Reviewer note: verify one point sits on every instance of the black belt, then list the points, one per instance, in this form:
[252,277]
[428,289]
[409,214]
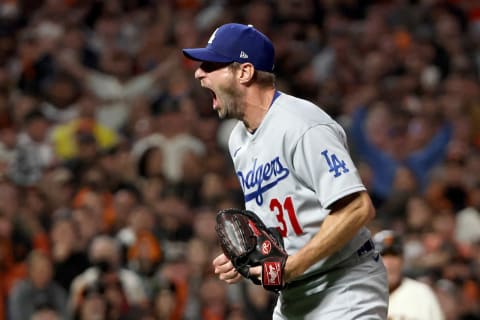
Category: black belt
[365,248]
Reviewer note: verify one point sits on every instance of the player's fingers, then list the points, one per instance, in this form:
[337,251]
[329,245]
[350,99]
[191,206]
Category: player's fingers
[228,275]
[256,271]
[235,279]
[220,260]
[224,268]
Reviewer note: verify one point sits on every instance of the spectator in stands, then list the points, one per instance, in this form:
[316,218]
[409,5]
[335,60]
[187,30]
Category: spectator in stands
[468,220]
[116,83]
[164,301]
[105,260]
[68,255]
[385,164]
[92,304]
[409,298]
[58,188]
[176,143]
[143,249]
[71,137]
[37,290]
[34,150]
[45,312]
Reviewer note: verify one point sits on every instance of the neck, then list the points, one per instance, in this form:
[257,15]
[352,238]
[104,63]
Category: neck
[393,287]
[257,104]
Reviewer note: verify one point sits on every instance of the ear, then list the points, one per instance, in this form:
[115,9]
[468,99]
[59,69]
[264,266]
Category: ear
[246,72]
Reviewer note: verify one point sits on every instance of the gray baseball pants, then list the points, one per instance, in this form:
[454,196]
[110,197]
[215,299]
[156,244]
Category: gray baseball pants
[355,290]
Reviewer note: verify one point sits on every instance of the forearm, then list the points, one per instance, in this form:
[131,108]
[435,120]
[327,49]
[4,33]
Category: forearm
[338,228]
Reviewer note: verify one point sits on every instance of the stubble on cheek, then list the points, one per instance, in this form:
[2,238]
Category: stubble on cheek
[230,103]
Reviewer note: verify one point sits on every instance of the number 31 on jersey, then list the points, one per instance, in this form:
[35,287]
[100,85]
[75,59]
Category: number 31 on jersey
[285,210]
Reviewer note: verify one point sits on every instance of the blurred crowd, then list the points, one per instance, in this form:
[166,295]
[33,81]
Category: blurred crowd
[113,163]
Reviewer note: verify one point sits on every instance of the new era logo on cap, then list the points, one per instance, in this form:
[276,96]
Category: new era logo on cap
[234,42]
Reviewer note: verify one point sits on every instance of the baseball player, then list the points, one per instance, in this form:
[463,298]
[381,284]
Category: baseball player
[296,173]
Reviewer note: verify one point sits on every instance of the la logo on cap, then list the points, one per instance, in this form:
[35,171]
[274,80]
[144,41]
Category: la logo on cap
[212,36]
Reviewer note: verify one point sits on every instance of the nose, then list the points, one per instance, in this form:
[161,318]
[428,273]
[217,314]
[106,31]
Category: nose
[199,73]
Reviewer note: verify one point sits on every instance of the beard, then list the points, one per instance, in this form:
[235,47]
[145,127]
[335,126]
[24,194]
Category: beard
[229,98]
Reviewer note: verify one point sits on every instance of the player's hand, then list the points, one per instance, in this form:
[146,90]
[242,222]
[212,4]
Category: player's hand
[225,270]
[256,272]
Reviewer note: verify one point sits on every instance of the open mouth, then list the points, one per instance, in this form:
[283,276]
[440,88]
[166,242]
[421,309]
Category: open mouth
[214,98]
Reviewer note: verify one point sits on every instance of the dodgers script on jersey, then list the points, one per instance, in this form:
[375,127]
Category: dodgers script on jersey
[292,168]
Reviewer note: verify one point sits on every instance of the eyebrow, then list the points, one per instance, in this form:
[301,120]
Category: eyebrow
[209,66]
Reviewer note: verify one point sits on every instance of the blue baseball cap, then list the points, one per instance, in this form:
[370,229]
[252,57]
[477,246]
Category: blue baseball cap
[234,42]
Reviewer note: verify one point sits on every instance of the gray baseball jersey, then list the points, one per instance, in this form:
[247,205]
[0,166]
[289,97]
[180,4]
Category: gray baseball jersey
[292,168]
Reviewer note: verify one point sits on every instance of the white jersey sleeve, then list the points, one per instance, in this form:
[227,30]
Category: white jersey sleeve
[321,157]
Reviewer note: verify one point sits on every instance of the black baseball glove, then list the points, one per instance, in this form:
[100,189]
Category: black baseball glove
[247,242]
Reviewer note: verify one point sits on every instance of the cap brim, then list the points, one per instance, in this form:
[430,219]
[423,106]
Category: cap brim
[204,54]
